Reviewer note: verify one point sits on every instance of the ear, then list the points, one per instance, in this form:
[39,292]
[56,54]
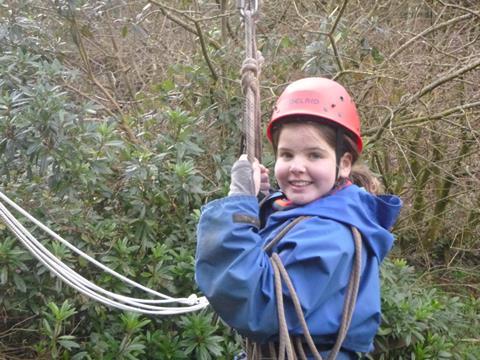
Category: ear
[345,165]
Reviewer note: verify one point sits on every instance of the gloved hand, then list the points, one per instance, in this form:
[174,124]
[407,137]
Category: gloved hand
[248,179]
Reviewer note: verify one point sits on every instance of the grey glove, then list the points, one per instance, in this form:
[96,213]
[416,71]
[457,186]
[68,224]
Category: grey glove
[241,182]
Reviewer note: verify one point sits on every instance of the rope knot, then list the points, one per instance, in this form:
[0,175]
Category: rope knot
[249,72]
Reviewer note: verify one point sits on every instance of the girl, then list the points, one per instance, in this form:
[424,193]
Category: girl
[315,133]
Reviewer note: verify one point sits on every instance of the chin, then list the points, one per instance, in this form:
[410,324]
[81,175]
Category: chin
[301,200]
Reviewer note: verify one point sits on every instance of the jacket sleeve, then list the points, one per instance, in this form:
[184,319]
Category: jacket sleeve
[236,276]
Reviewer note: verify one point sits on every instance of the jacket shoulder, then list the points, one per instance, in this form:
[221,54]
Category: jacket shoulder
[316,235]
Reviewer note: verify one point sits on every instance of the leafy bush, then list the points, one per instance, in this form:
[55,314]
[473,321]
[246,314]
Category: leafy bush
[133,206]
[114,134]
[421,322]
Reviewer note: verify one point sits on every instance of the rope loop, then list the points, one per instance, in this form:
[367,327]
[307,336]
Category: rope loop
[151,306]
[249,72]
[248,7]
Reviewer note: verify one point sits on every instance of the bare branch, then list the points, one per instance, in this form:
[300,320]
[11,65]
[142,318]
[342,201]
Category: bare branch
[444,79]
[205,52]
[425,32]
[475,13]
[176,20]
[332,39]
[423,119]
[443,114]
[425,90]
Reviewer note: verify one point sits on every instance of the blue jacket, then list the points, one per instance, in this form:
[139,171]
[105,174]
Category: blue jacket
[236,276]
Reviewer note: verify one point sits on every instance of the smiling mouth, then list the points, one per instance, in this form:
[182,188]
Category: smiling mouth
[299,183]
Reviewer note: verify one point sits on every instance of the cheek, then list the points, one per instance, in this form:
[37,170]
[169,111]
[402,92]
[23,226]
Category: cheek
[279,171]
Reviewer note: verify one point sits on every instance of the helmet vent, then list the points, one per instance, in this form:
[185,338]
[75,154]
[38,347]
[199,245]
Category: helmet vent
[333,105]
[341,98]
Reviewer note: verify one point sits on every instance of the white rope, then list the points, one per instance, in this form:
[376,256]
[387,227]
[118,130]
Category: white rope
[86,287]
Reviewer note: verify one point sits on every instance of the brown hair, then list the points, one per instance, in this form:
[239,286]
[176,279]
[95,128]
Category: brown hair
[360,174]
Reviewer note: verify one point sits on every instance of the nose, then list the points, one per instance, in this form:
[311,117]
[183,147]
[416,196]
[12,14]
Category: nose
[297,167]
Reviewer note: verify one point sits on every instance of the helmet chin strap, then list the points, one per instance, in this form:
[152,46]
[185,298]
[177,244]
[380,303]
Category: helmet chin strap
[339,136]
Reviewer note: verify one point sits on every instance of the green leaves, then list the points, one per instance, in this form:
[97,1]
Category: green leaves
[13,266]
[64,156]
[199,338]
[60,314]
[54,325]
[132,322]
[420,320]
[67,342]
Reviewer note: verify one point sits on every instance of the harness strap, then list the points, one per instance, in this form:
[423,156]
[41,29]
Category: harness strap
[286,345]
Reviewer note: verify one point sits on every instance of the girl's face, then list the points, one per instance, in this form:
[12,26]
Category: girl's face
[305,165]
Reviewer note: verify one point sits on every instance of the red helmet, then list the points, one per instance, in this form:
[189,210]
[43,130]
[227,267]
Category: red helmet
[322,98]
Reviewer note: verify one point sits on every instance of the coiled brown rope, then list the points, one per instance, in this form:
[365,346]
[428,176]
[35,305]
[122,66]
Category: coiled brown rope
[285,345]
[284,338]
[351,294]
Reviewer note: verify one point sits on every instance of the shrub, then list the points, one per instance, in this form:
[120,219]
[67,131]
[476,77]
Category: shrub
[422,322]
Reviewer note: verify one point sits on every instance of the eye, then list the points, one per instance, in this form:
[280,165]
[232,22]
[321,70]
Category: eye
[285,155]
[315,155]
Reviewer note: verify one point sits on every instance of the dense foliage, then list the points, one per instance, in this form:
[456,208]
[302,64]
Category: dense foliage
[116,126]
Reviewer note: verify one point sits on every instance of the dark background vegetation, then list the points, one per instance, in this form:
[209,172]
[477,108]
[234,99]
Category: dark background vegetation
[119,119]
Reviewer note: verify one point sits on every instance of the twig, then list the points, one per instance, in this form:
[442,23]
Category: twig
[475,13]
[427,89]
[205,51]
[298,12]
[350,71]
[443,80]
[183,24]
[386,123]
[184,13]
[422,119]
[464,250]
[123,68]
[77,36]
[89,98]
[474,287]
[332,39]
[337,20]
[425,32]
[470,340]
[14,327]
[197,31]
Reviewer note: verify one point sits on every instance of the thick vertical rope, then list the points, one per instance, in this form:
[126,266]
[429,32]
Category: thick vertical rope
[351,295]
[281,273]
[250,84]
[284,338]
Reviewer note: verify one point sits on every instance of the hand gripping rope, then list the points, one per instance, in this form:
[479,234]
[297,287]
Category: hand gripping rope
[86,287]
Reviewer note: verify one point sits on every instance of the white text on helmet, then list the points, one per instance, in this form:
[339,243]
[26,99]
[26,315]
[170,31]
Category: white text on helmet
[304,101]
